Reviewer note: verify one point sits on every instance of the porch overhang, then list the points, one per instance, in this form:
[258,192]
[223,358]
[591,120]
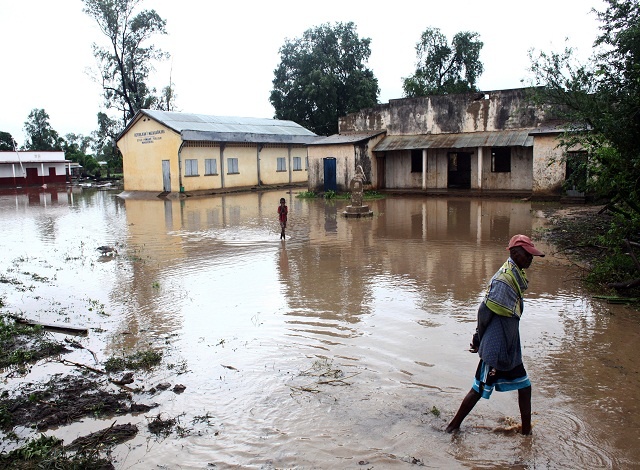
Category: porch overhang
[505,138]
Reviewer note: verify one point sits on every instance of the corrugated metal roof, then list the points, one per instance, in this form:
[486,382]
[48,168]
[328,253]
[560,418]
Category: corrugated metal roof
[206,136]
[507,138]
[346,138]
[231,128]
[45,156]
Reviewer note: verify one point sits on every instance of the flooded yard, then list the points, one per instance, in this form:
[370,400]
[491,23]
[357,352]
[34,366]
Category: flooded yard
[344,346]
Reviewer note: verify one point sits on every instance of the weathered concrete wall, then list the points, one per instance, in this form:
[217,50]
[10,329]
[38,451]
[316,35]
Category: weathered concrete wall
[549,166]
[471,112]
[519,178]
[369,119]
[348,156]
[344,155]
[398,170]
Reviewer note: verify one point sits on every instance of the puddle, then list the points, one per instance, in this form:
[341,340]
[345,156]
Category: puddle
[388,303]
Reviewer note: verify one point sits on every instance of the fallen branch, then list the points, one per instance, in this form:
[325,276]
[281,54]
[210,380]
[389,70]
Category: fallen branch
[77,364]
[77,345]
[625,284]
[305,389]
[111,436]
[341,379]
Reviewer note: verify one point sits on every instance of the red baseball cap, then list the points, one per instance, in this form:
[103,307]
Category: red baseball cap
[526,243]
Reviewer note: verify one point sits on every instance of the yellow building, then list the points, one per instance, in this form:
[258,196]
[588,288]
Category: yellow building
[171,152]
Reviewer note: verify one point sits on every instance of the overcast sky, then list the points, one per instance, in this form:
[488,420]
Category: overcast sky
[223,53]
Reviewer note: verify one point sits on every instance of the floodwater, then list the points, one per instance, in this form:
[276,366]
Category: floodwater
[385,304]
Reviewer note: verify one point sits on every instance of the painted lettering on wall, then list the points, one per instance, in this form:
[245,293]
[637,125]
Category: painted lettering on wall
[148,137]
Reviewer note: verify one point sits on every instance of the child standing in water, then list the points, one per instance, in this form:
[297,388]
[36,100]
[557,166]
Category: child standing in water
[282,216]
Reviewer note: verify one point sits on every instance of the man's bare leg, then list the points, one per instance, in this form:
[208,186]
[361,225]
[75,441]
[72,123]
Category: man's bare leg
[465,408]
[524,402]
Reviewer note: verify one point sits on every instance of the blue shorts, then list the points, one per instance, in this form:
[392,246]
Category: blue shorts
[487,380]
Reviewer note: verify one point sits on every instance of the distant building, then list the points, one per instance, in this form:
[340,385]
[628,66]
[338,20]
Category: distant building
[75,170]
[172,152]
[19,169]
[473,142]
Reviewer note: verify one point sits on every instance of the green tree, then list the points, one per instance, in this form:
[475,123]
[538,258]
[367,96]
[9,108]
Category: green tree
[81,142]
[75,148]
[322,76]
[601,99]
[7,142]
[105,143]
[442,68]
[167,99]
[125,65]
[40,134]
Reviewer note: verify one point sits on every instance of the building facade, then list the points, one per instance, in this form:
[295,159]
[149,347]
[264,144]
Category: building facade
[333,160]
[487,141]
[21,169]
[171,152]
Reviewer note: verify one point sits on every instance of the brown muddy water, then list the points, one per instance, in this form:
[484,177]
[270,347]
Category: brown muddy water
[248,323]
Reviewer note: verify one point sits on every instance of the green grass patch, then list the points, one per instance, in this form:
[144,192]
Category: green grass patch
[48,452]
[23,344]
[144,360]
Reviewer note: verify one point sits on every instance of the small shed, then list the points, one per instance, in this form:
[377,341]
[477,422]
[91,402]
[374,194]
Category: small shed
[333,160]
[31,168]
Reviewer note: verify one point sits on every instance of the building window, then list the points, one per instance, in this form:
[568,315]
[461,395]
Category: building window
[191,167]
[306,163]
[210,166]
[297,164]
[282,164]
[232,166]
[416,161]
[501,159]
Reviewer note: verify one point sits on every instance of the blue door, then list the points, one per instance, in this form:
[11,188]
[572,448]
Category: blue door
[329,174]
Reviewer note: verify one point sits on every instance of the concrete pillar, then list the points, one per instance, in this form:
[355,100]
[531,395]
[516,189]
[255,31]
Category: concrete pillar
[424,168]
[480,158]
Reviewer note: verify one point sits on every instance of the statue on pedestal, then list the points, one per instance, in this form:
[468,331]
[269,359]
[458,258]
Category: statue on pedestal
[357,209]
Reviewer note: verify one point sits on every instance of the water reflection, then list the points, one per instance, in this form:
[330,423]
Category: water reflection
[390,300]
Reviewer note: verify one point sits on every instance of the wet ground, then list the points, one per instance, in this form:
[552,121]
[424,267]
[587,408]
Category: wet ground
[343,347]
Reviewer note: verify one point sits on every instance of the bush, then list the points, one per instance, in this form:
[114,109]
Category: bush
[306,194]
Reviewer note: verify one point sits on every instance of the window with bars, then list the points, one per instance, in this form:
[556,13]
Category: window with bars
[210,166]
[191,167]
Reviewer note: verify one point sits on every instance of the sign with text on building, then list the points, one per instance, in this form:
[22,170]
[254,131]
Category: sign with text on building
[148,137]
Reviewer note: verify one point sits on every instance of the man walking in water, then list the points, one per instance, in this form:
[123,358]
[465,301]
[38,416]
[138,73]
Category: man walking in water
[282,217]
[497,337]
